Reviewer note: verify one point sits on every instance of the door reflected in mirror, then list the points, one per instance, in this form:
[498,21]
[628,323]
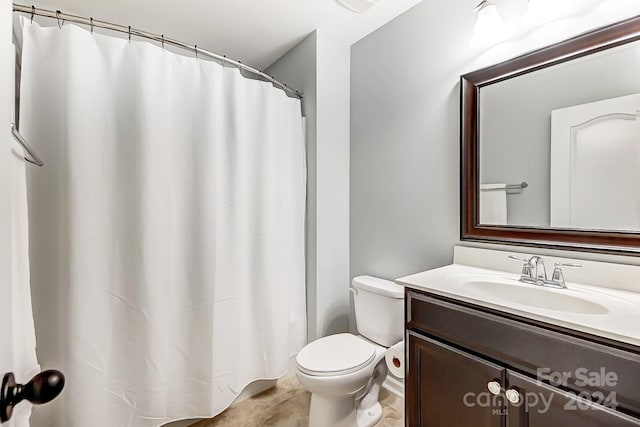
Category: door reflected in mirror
[571,132]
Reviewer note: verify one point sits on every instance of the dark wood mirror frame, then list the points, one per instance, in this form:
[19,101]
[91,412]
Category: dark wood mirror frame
[613,35]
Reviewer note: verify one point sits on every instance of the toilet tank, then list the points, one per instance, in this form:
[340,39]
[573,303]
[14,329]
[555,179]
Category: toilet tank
[379,306]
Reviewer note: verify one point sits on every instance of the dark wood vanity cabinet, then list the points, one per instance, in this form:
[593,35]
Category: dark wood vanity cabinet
[563,409]
[439,382]
[457,352]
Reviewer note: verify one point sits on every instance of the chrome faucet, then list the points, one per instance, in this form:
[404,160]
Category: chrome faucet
[534,272]
[539,270]
[557,279]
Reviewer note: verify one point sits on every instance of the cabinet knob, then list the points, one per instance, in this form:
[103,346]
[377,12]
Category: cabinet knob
[494,387]
[513,396]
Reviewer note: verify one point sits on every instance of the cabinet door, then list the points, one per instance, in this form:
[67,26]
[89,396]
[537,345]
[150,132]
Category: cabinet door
[541,405]
[524,347]
[446,387]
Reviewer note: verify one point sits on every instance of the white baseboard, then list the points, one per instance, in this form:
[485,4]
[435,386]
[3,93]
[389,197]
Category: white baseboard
[394,385]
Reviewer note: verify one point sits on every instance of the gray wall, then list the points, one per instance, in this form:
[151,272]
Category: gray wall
[332,227]
[320,67]
[404,140]
[515,124]
[297,68]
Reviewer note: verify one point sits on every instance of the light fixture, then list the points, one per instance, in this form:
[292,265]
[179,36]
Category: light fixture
[358,6]
[489,28]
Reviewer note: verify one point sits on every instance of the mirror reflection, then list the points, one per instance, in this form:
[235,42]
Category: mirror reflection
[560,147]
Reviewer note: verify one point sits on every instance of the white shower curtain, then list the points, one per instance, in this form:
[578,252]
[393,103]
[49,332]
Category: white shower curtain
[23,343]
[167,227]
[17,335]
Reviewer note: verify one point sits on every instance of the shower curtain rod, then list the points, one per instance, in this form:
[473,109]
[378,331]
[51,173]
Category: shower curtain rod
[66,17]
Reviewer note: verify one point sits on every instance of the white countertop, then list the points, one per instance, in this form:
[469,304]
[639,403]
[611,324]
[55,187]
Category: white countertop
[616,315]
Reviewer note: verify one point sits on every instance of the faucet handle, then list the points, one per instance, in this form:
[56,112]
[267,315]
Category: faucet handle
[567,264]
[526,274]
[517,258]
[558,277]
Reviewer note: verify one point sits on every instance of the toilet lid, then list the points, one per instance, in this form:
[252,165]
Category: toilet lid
[335,355]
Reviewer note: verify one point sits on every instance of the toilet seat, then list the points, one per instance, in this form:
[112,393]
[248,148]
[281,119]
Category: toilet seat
[338,354]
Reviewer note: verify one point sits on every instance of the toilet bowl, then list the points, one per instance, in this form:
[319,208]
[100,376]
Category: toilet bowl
[338,371]
[344,372]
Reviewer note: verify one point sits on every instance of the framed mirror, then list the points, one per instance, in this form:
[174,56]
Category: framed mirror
[550,145]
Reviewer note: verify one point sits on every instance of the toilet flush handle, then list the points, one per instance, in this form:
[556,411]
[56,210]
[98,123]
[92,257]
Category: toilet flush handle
[354,291]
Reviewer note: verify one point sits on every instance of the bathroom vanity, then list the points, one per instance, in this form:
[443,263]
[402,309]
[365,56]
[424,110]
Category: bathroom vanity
[484,349]
[495,343]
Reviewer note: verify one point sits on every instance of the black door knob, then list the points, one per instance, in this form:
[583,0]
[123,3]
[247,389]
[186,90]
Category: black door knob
[42,388]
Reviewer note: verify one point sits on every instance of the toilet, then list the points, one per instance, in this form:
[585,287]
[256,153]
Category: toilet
[344,372]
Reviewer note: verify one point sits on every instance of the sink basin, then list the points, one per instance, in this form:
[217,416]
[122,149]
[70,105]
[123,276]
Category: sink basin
[533,296]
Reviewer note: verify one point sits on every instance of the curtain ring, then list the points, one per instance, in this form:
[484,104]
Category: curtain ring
[91,24]
[129,33]
[162,36]
[195,49]
[58,19]
[224,58]
[33,12]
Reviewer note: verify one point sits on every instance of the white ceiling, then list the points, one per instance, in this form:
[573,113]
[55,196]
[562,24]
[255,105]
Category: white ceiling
[256,32]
